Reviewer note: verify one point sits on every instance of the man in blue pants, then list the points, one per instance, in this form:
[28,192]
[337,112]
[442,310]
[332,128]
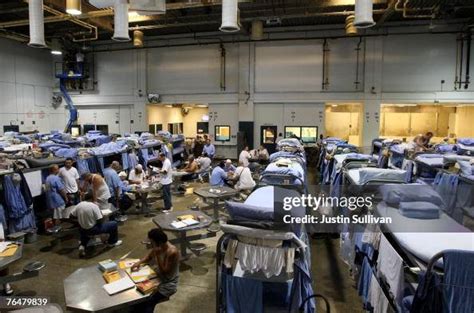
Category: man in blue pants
[166,181]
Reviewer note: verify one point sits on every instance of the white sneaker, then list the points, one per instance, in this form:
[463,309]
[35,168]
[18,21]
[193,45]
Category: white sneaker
[167,211]
[118,243]
[82,251]
[8,289]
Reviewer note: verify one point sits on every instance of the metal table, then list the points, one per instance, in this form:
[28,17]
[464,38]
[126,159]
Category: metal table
[215,194]
[177,179]
[84,292]
[164,221]
[6,261]
[142,193]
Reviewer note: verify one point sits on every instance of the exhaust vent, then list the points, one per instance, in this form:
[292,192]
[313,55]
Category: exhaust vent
[36,24]
[230,16]
[121,21]
[363,14]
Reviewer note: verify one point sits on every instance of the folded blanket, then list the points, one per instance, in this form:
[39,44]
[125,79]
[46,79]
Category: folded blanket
[393,194]
[419,210]
[467,168]
[466,141]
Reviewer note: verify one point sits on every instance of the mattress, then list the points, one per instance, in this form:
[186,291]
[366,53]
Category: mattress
[438,235]
[436,160]
[340,158]
[295,170]
[362,176]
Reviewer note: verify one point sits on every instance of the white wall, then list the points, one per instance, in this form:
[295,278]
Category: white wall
[26,82]
[266,80]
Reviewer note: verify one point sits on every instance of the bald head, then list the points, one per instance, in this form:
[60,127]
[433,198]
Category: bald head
[115,165]
[53,169]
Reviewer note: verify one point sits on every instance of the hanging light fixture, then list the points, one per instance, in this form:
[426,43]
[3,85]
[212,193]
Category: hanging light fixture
[73,7]
[230,16]
[121,21]
[35,8]
[56,47]
[138,39]
[363,14]
[257,30]
[351,30]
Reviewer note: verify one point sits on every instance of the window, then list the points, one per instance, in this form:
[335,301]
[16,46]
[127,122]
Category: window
[202,127]
[292,131]
[155,128]
[222,133]
[307,134]
[175,128]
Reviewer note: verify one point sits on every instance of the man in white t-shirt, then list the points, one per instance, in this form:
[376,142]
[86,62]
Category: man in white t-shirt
[70,178]
[91,223]
[166,181]
[244,178]
[245,156]
[137,175]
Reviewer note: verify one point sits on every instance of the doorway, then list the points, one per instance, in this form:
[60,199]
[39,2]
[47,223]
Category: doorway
[268,135]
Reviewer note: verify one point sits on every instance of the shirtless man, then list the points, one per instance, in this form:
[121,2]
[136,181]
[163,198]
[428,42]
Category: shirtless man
[99,188]
[165,258]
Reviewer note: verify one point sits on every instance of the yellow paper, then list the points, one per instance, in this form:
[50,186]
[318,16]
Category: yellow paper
[9,251]
[127,263]
[144,273]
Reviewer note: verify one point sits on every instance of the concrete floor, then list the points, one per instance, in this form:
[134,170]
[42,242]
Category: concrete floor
[196,292]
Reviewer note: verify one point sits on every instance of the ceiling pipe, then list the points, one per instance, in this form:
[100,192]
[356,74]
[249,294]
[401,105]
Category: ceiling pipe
[364,14]
[36,16]
[92,31]
[148,7]
[121,21]
[230,16]
[405,10]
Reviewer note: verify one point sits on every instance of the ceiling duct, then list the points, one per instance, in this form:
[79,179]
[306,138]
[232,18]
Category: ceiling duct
[148,7]
[257,30]
[102,4]
[36,24]
[137,39]
[230,16]
[56,47]
[351,30]
[73,7]
[363,14]
[121,21]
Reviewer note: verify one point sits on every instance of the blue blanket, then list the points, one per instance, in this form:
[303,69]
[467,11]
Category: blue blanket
[466,141]
[419,210]
[394,194]
[458,290]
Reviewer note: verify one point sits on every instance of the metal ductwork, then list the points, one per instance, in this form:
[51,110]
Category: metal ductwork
[36,24]
[351,30]
[102,4]
[230,16]
[257,30]
[363,14]
[121,21]
[137,39]
[148,7]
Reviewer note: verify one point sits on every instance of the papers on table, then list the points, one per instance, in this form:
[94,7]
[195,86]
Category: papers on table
[184,223]
[119,286]
[7,248]
[178,225]
[144,273]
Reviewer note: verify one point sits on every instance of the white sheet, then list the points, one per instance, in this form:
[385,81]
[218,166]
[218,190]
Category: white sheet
[438,235]
[35,182]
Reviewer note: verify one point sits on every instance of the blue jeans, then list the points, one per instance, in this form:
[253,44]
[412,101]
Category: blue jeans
[167,196]
[110,228]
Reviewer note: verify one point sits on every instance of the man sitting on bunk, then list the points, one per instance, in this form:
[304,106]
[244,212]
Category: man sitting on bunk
[191,169]
[137,175]
[56,195]
[218,175]
[91,223]
[422,142]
